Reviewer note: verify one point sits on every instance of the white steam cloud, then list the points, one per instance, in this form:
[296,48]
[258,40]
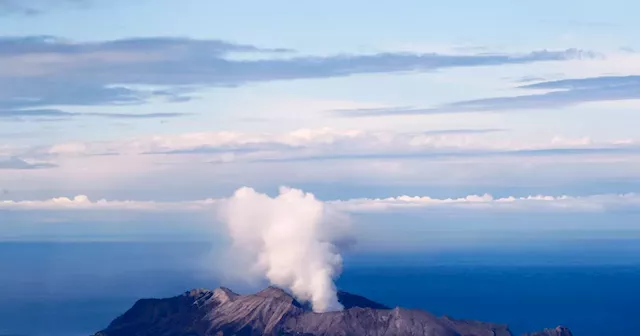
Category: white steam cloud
[293,240]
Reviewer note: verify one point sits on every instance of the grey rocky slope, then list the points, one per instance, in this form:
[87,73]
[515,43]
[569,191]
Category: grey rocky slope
[272,311]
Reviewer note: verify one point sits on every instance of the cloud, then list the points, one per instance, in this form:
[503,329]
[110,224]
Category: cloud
[362,145]
[566,92]
[54,114]
[392,111]
[38,92]
[134,115]
[45,71]
[82,202]
[47,49]
[46,113]
[331,144]
[35,7]
[486,201]
[464,131]
[357,205]
[192,165]
[562,93]
[453,154]
[16,163]
[325,139]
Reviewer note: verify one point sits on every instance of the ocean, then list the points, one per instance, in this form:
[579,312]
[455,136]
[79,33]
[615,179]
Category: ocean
[75,289]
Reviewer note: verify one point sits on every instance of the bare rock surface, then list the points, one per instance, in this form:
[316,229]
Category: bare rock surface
[272,311]
[558,331]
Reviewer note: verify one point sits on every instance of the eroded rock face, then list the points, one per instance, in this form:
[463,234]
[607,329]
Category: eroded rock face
[272,311]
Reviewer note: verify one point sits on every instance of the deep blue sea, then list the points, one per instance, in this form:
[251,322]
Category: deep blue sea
[78,288]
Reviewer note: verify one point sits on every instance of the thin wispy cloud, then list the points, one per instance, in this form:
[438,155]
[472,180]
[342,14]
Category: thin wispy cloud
[53,113]
[36,7]
[307,145]
[454,154]
[58,115]
[45,71]
[236,149]
[16,163]
[325,139]
[564,93]
[464,131]
[134,115]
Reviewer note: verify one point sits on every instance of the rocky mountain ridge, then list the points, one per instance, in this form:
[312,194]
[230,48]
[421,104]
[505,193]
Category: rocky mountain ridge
[272,311]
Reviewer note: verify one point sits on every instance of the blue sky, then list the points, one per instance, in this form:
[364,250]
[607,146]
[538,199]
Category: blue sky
[172,101]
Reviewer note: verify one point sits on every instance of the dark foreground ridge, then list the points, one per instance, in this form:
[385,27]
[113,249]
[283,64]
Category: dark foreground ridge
[272,312]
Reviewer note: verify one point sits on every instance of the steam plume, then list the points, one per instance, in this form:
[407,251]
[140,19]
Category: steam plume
[293,240]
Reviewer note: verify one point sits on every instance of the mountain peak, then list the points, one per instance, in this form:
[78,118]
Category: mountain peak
[224,294]
[274,292]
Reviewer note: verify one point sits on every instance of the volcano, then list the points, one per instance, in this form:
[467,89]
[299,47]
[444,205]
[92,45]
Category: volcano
[272,311]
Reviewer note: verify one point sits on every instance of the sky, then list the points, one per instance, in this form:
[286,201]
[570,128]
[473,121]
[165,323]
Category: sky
[395,107]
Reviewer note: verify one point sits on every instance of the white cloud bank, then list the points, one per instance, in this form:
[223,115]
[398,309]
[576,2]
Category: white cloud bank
[82,202]
[486,201]
[470,202]
[318,142]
